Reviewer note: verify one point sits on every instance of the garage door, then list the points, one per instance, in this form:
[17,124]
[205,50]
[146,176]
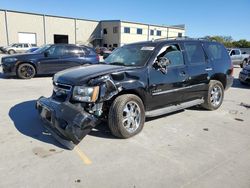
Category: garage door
[27,38]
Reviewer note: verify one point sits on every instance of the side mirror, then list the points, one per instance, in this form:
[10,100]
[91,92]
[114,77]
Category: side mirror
[46,54]
[161,64]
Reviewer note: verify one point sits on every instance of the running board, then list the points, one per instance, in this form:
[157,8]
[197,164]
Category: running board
[173,108]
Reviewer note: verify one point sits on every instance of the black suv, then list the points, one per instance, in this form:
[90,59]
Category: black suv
[48,59]
[138,80]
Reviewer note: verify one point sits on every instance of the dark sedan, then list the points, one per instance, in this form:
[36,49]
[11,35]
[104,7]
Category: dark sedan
[48,59]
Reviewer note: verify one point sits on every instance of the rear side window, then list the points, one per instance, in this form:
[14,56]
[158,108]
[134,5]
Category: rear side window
[195,53]
[73,50]
[216,51]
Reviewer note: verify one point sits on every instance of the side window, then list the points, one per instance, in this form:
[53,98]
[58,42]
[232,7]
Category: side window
[139,31]
[232,52]
[72,50]
[237,52]
[105,31]
[19,46]
[56,51]
[195,53]
[26,45]
[216,51]
[174,54]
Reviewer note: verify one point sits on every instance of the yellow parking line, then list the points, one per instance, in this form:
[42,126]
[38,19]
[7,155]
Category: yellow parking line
[82,155]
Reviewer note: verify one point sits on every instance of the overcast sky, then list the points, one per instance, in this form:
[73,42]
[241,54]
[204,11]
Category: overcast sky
[213,17]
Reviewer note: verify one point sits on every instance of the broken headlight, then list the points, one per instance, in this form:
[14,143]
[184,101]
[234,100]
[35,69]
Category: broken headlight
[85,94]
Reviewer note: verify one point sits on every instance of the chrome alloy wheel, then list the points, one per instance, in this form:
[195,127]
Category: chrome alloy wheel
[27,71]
[216,96]
[131,116]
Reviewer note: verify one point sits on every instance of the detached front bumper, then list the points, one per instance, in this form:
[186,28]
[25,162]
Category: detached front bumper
[67,123]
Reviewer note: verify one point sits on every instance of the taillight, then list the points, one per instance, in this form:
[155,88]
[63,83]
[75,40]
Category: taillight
[231,69]
[97,58]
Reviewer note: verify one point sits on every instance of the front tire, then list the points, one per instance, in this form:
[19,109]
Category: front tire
[26,71]
[126,116]
[243,64]
[215,95]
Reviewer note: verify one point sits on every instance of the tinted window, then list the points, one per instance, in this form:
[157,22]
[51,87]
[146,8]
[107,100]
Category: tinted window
[115,29]
[195,53]
[179,34]
[151,32]
[216,51]
[174,54]
[56,51]
[139,31]
[158,33]
[105,31]
[126,29]
[72,50]
[26,45]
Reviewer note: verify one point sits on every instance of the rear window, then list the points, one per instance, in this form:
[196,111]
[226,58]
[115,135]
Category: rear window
[216,52]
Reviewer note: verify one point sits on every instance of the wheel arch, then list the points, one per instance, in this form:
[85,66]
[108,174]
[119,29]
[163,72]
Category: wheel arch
[221,78]
[23,62]
[136,92]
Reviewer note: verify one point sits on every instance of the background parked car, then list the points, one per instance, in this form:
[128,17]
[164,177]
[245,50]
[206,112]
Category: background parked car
[32,50]
[17,48]
[48,59]
[244,75]
[238,58]
[102,50]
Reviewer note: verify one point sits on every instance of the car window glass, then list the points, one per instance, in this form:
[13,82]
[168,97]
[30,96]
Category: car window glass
[216,51]
[56,50]
[18,46]
[195,53]
[73,50]
[26,45]
[174,54]
[237,52]
[232,52]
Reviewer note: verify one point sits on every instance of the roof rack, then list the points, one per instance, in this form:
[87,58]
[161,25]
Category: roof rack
[180,38]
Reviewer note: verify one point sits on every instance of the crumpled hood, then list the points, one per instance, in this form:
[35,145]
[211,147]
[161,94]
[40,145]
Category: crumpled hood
[81,75]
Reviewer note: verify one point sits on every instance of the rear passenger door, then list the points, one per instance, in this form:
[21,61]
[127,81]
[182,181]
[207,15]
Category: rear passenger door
[71,57]
[198,70]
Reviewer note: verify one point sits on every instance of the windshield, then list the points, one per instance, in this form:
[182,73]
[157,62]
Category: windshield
[42,49]
[130,55]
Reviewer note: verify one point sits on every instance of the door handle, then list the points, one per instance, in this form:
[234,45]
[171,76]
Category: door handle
[209,69]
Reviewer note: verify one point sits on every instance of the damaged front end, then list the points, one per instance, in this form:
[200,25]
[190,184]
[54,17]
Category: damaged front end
[73,111]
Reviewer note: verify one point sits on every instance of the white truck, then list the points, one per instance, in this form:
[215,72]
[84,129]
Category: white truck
[237,57]
[16,48]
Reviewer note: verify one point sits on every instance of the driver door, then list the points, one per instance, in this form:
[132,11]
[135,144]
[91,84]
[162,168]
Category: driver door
[168,88]
[52,61]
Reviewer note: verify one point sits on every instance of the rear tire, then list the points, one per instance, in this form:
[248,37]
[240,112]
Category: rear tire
[215,95]
[11,52]
[126,116]
[26,71]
